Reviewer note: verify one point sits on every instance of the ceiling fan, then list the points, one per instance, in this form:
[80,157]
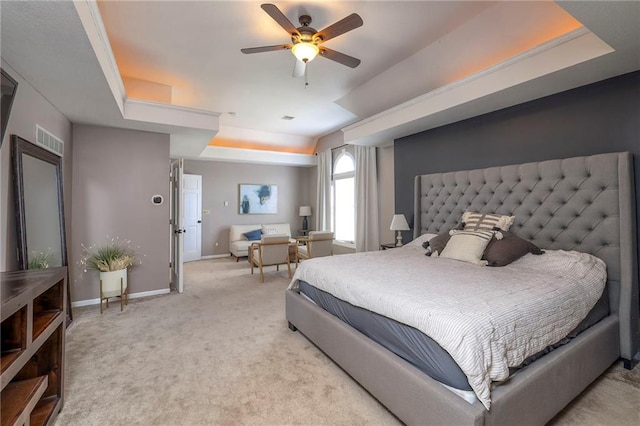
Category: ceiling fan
[306,42]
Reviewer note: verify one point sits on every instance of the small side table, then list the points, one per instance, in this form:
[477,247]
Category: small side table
[303,232]
[388,246]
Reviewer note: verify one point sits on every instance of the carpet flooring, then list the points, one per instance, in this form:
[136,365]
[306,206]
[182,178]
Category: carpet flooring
[221,354]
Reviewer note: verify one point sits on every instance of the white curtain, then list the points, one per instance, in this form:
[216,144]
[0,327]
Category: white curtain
[367,233]
[323,205]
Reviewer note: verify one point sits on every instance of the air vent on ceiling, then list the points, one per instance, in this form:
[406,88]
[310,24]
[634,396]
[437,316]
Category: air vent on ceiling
[288,117]
[49,142]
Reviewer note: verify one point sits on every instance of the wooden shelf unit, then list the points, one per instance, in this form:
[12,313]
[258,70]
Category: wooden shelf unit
[14,337]
[33,316]
[20,398]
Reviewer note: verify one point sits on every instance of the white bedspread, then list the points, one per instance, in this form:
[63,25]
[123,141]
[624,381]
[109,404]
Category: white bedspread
[488,319]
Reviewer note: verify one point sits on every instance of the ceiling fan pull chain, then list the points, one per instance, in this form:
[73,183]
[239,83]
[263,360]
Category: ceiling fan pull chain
[306,76]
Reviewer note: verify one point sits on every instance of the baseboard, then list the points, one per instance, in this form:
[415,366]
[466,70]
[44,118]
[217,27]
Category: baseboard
[96,301]
[215,256]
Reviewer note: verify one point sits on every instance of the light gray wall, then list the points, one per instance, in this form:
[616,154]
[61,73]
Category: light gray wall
[330,141]
[115,174]
[386,193]
[220,182]
[29,108]
[312,189]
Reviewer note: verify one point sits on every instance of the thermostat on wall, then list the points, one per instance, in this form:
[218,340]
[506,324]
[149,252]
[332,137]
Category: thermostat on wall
[157,200]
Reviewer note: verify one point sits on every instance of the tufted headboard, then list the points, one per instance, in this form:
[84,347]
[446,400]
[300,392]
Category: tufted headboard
[583,203]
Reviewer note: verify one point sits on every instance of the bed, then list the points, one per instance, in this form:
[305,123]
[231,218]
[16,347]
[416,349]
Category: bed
[584,204]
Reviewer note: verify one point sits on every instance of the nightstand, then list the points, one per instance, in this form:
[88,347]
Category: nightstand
[303,232]
[388,246]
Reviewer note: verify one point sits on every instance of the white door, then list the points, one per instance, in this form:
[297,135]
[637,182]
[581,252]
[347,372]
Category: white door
[177,230]
[192,185]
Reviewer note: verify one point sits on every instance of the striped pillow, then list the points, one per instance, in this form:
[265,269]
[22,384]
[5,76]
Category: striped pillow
[467,246]
[486,222]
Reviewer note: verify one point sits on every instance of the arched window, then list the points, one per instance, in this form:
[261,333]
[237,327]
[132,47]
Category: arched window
[344,197]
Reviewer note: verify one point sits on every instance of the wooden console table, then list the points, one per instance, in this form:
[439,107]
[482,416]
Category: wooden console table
[33,333]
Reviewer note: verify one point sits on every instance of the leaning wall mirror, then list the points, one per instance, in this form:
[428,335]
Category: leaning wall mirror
[9,86]
[39,207]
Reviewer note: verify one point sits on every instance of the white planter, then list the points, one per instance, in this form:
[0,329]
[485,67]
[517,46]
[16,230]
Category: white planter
[111,283]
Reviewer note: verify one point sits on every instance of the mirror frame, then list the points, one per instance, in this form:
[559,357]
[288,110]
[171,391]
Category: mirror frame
[8,83]
[20,146]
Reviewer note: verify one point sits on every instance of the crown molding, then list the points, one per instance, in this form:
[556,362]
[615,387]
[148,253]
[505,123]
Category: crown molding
[93,25]
[420,113]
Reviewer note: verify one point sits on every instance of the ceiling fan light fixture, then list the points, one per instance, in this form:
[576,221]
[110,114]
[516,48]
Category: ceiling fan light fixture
[305,51]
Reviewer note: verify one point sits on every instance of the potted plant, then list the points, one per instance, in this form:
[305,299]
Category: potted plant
[112,260]
[39,259]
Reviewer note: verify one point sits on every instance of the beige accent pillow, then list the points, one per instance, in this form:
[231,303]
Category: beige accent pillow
[467,246]
[276,228]
[269,231]
[486,222]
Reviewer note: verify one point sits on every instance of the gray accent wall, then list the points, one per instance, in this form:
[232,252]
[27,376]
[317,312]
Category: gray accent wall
[115,174]
[220,182]
[29,108]
[598,118]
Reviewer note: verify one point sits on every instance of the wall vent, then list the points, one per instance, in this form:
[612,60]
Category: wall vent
[49,142]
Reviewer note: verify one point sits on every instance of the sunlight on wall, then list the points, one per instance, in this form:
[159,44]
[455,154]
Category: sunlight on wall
[230,143]
[557,22]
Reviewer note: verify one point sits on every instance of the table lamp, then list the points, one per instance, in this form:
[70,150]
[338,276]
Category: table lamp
[399,223]
[304,212]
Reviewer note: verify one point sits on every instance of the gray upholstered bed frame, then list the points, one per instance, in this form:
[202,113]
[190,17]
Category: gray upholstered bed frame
[583,203]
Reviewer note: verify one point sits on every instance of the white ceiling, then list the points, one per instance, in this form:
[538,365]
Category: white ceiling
[408,50]
[195,48]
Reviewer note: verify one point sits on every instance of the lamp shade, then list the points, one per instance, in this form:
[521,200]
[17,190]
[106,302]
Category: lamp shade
[305,51]
[399,223]
[305,210]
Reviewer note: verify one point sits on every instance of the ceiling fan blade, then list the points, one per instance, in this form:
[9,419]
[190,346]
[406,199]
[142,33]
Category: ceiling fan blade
[265,48]
[299,68]
[349,23]
[347,60]
[275,13]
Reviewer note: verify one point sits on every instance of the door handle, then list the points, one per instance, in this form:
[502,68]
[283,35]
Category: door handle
[199,221]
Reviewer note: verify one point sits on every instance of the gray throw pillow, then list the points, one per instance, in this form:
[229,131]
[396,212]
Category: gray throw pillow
[509,249]
[437,244]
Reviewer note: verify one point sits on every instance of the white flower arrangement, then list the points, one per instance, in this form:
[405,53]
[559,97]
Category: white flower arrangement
[114,255]
[39,259]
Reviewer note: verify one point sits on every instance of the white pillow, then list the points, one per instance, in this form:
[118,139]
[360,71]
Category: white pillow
[420,240]
[467,246]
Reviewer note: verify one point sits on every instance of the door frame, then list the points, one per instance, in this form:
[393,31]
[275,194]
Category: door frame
[176,230]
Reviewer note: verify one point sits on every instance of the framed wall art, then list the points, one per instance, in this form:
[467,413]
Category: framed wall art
[258,199]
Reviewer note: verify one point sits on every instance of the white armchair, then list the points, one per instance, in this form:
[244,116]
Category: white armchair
[271,250]
[317,244]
